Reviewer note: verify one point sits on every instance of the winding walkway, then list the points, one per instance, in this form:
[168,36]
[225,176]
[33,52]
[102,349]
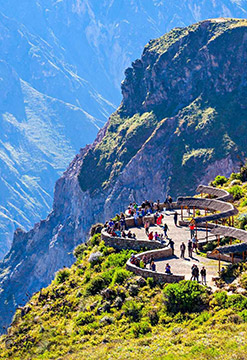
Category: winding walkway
[218,207]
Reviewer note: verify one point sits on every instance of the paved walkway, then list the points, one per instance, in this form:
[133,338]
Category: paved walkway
[178,235]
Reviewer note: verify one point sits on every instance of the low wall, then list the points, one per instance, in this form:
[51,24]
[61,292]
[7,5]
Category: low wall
[131,244]
[160,277]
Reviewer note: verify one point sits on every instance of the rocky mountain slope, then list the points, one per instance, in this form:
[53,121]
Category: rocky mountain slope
[182,121]
[65,60]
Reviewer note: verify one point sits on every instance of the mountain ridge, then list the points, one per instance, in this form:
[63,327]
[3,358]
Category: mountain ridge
[145,155]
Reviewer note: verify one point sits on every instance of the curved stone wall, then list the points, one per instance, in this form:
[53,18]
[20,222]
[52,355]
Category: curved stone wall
[157,276]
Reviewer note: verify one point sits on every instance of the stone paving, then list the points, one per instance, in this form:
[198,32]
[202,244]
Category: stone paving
[178,235]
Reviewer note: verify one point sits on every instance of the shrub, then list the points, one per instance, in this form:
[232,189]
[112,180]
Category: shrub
[118,259]
[219,180]
[132,310]
[235,176]
[243,203]
[84,318]
[97,284]
[95,240]
[120,275]
[243,315]
[153,317]
[141,328]
[219,299]
[236,302]
[242,219]
[79,250]
[187,296]
[243,280]
[236,192]
[151,282]
[62,275]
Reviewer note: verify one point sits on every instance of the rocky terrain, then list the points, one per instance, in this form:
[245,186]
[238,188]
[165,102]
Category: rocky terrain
[182,121]
[62,63]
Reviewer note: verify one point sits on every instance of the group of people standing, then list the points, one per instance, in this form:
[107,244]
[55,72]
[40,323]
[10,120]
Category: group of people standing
[195,274]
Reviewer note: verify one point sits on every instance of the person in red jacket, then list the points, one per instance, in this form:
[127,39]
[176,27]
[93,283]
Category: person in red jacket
[150,236]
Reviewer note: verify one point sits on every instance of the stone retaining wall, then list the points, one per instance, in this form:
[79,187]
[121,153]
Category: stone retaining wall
[160,277]
[125,243]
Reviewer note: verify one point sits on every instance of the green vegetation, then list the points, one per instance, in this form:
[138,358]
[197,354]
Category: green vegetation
[93,312]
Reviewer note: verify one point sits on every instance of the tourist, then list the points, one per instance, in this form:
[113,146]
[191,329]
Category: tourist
[146,227]
[165,229]
[194,273]
[190,249]
[168,269]
[134,236]
[192,229]
[203,275]
[135,219]
[129,235]
[194,244]
[182,249]
[111,223]
[118,233]
[171,243]
[145,260]
[122,224]
[153,266]
[175,217]
[123,234]
[150,236]
[156,236]
[170,201]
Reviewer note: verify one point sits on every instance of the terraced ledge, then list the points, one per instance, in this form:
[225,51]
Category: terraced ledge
[121,243]
[160,277]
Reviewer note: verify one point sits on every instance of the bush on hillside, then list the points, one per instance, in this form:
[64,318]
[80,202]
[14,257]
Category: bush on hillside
[94,240]
[242,219]
[84,318]
[236,192]
[219,180]
[62,275]
[243,280]
[98,283]
[186,296]
[79,250]
[132,310]
[120,276]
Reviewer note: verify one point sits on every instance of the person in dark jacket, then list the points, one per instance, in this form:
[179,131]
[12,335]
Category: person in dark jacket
[171,243]
[203,275]
[175,217]
[182,249]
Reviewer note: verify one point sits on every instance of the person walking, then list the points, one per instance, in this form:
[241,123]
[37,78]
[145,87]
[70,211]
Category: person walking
[194,244]
[175,217]
[146,227]
[171,243]
[165,228]
[182,249]
[192,229]
[203,275]
[190,248]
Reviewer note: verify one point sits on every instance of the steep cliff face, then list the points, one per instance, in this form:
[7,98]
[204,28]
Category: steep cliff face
[182,120]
